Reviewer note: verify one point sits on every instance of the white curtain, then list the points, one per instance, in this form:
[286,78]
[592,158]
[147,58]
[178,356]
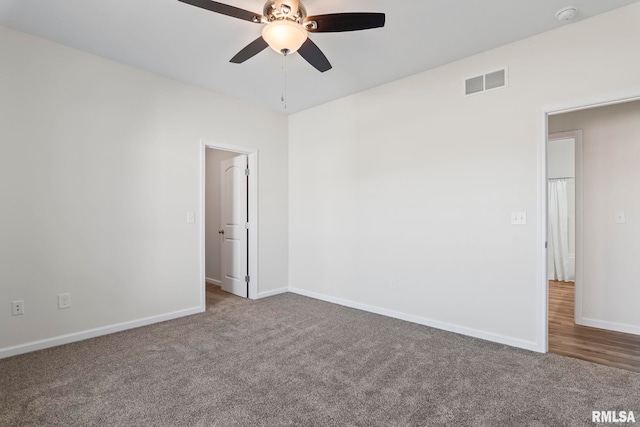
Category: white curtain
[558,240]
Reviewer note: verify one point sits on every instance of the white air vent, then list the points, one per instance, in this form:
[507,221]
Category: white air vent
[474,85]
[485,82]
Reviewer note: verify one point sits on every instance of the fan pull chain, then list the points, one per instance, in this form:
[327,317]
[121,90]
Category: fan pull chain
[283,97]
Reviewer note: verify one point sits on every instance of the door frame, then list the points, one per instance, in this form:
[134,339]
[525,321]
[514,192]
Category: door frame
[542,294]
[252,156]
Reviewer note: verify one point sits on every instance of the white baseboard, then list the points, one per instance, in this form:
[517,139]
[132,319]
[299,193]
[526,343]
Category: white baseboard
[92,333]
[489,336]
[611,326]
[272,293]
[213,281]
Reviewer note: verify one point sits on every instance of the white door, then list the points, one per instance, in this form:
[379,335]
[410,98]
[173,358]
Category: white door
[234,219]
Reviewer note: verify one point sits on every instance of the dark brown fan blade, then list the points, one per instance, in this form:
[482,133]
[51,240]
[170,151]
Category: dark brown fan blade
[251,50]
[225,9]
[338,22]
[314,56]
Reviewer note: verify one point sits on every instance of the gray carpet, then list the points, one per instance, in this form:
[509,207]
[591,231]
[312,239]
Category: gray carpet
[294,361]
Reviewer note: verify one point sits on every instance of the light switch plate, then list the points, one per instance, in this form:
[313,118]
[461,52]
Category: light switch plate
[191,217]
[621,217]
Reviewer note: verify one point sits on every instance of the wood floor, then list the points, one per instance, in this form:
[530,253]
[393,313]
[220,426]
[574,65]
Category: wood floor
[595,345]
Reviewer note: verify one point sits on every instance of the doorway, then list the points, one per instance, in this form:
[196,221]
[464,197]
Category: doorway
[213,156]
[593,317]
[564,206]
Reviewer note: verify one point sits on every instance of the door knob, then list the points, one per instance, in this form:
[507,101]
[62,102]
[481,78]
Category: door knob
[221,232]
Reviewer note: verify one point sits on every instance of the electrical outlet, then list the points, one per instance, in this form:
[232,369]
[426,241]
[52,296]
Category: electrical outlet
[64,300]
[394,283]
[518,218]
[191,217]
[17,308]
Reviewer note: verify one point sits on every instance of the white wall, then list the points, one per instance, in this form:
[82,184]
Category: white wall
[99,164]
[561,158]
[213,251]
[611,183]
[413,181]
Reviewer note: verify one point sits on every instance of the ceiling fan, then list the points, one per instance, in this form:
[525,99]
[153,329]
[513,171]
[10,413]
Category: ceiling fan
[286,26]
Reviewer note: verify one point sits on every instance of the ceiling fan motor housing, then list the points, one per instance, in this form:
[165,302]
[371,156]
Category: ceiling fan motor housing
[292,10]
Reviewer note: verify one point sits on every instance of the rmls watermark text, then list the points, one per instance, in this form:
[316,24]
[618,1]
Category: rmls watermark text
[613,417]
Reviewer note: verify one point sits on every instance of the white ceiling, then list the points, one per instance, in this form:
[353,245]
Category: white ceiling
[194,45]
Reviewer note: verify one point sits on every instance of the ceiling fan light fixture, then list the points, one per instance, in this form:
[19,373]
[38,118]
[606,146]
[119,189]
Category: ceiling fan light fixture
[284,36]
[286,25]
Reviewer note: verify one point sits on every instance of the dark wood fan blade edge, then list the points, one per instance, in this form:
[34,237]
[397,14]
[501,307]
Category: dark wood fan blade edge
[340,22]
[314,56]
[251,50]
[225,9]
